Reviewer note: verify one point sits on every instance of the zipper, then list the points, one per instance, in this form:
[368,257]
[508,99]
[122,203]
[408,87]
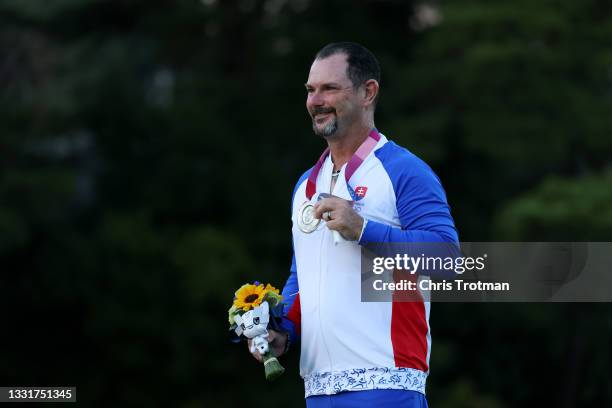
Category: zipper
[323,269]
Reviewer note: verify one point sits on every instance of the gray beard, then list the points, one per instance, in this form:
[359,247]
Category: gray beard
[329,130]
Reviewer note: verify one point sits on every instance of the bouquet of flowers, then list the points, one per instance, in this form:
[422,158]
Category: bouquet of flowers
[256,308]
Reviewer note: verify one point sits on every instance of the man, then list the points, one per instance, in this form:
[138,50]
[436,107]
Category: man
[366,189]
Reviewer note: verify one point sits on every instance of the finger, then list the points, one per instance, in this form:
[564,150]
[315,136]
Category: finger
[337,230]
[255,355]
[258,356]
[328,216]
[275,337]
[335,224]
[338,202]
[327,204]
[345,228]
[329,201]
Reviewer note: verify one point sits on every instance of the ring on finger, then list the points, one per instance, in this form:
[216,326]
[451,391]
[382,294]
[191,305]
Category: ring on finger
[327,216]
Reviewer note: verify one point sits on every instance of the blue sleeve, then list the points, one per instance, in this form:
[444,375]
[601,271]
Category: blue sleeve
[420,202]
[291,288]
[290,291]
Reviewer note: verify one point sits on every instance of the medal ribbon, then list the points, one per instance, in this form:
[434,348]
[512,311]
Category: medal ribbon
[362,152]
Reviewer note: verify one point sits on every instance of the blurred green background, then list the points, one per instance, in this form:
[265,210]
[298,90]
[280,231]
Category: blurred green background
[149,150]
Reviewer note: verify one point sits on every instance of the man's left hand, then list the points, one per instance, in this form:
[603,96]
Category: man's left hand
[340,216]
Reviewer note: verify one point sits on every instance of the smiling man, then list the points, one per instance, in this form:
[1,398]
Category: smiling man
[363,189]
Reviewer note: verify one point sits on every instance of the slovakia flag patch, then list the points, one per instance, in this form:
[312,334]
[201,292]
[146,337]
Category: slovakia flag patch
[361,191]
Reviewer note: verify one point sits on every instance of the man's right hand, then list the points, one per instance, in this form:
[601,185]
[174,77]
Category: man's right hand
[277,343]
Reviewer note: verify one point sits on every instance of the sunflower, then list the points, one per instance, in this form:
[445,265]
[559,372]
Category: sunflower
[249,296]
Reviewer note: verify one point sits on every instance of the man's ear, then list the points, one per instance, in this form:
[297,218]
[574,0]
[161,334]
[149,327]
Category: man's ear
[371,91]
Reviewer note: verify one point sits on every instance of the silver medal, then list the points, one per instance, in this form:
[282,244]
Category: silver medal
[306,221]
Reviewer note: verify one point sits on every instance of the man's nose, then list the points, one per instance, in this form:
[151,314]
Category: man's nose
[315,99]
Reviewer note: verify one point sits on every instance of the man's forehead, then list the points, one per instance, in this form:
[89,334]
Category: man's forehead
[329,69]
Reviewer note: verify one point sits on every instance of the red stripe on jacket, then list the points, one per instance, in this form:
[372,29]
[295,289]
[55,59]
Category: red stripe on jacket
[295,314]
[409,327]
